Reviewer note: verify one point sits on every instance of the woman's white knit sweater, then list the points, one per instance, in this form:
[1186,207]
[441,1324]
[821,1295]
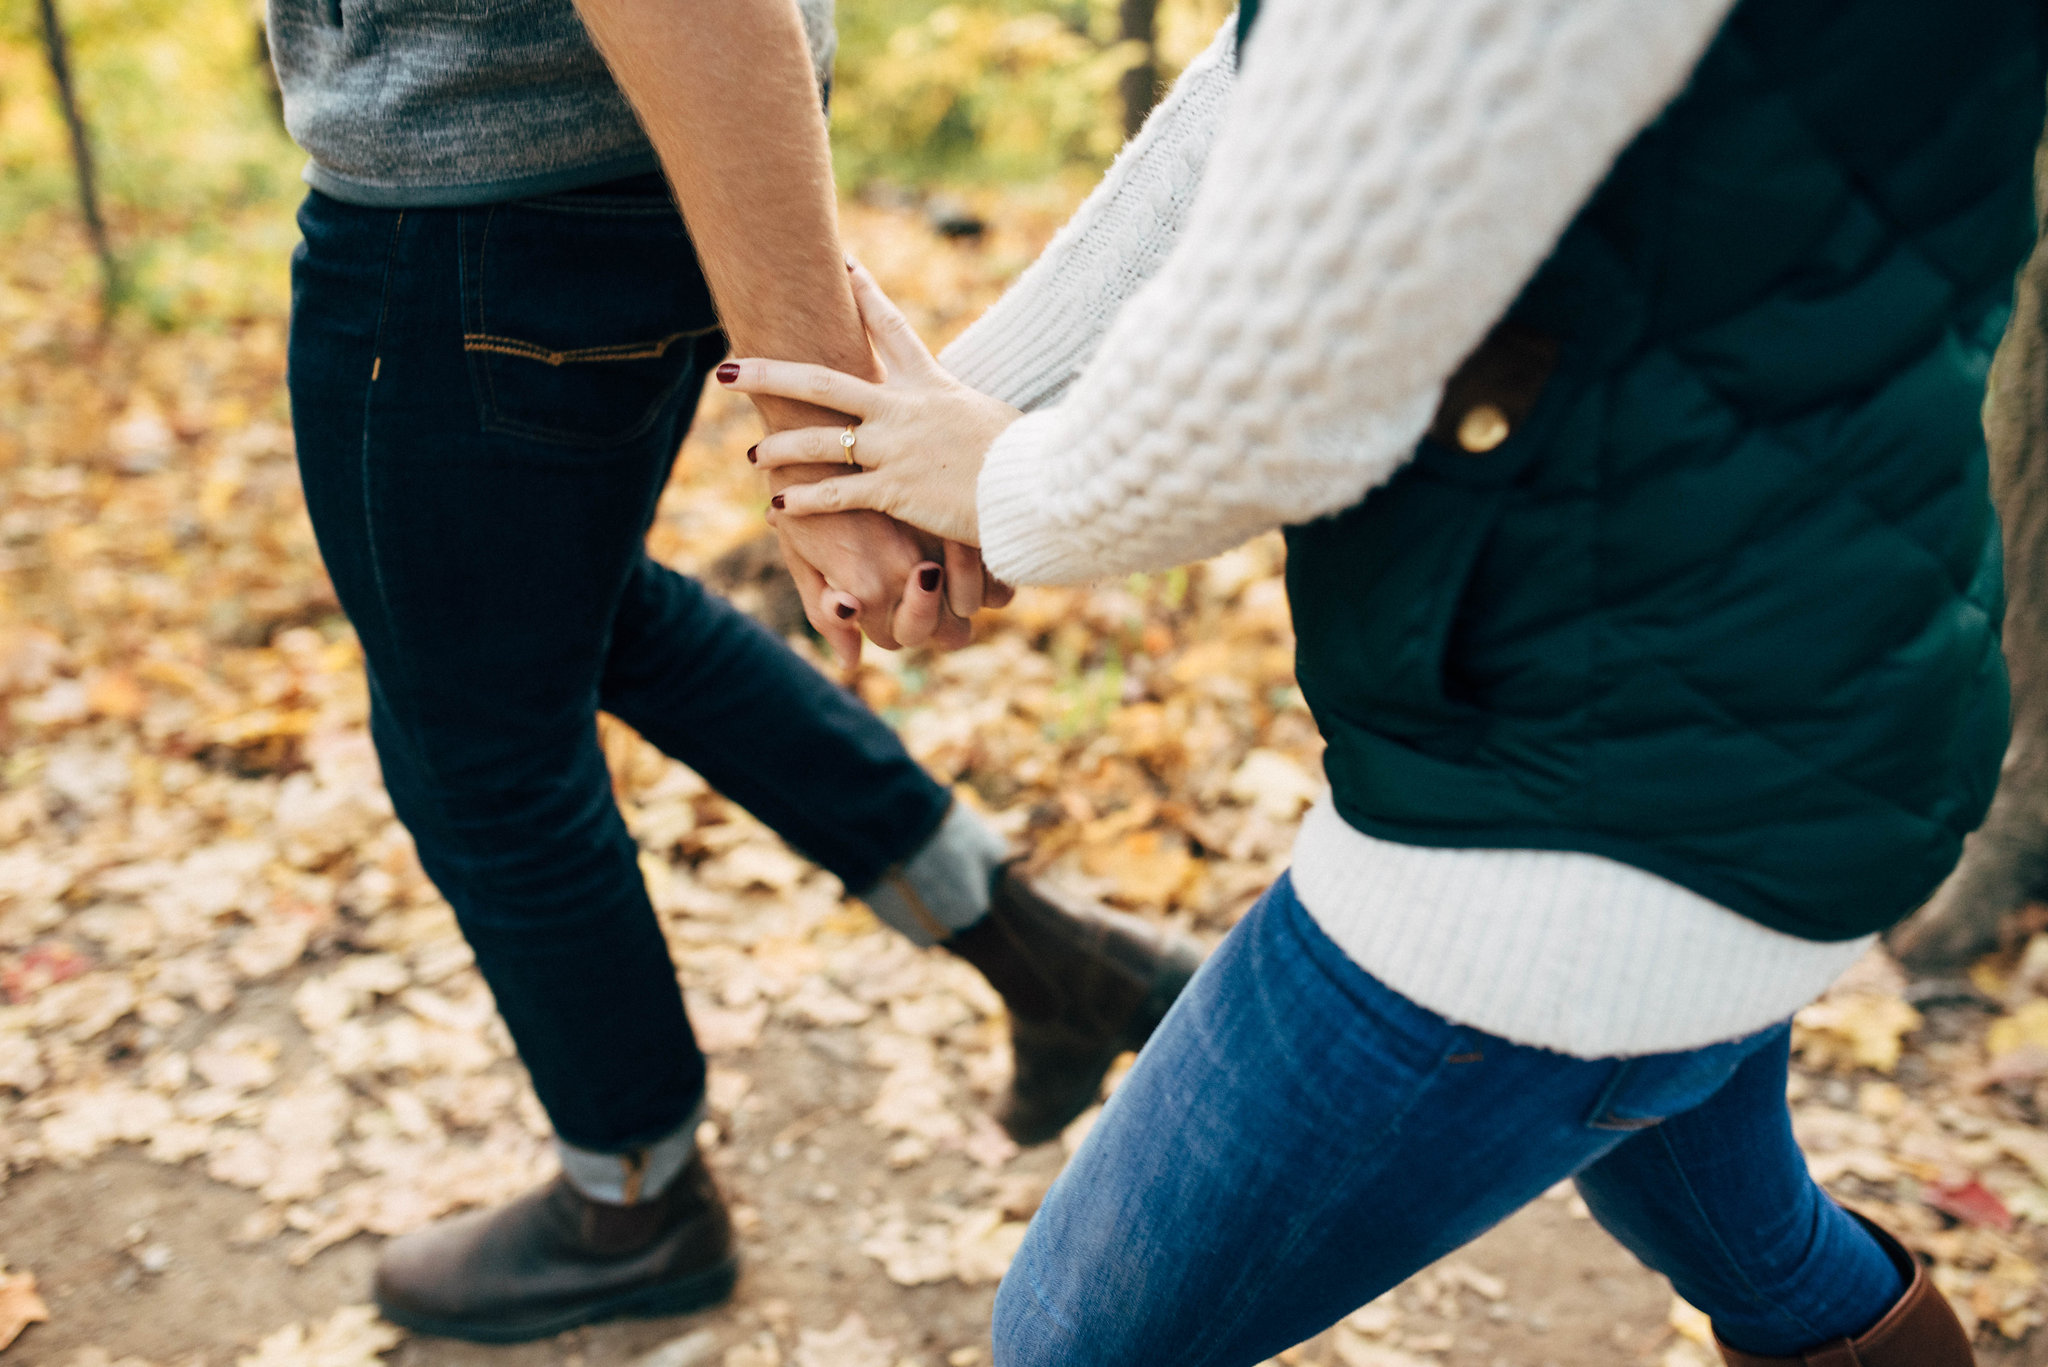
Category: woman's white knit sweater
[1249,324]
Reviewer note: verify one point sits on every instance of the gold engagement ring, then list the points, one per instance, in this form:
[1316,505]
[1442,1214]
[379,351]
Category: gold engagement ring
[846,440]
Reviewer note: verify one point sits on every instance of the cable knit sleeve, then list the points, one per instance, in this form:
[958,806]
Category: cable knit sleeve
[1387,175]
[1027,349]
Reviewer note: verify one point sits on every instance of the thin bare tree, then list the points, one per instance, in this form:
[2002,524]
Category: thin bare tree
[1138,20]
[59,54]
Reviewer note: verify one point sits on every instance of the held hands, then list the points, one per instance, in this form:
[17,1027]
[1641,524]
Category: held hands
[918,443]
[861,570]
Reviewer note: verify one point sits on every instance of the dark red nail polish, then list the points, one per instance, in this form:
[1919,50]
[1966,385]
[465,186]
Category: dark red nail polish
[753,459]
[928,578]
[776,502]
[728,372]
[844,610]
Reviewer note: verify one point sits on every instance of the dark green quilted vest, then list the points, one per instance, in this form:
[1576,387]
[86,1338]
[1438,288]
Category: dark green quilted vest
[1724,604]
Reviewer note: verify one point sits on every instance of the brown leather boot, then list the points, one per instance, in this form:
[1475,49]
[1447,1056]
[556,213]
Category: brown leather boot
[554,1259]
[1083,985]
[1919,1331]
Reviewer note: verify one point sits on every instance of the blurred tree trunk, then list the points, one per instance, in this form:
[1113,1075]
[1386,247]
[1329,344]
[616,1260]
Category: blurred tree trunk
[81,151]
[2005,863]
[1140,85]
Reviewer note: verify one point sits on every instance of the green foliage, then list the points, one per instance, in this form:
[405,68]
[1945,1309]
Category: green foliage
[198,177]
[196,174]
[990,90]
[174,91]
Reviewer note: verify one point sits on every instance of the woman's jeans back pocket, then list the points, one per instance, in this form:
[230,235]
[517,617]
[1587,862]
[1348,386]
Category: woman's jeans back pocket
[582,313]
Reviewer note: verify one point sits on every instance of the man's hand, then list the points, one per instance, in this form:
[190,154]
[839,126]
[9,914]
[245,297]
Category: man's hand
[862,571]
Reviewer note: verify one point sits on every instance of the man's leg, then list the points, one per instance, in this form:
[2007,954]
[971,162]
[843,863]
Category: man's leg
[1719,1200]
[480,527]
[1296,1140]
[480,511]
[712,688]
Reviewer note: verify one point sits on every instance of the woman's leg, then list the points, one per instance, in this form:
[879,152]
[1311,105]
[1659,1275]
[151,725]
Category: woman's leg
[1296,1139]
[1718,1200]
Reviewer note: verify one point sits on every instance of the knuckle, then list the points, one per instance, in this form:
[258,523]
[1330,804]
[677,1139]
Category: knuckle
[820,382]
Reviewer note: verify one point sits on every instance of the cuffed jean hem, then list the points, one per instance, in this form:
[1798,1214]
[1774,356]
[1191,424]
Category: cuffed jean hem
[637,1174]
[946,885]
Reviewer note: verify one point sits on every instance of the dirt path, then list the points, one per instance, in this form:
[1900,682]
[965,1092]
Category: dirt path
[1572,1297]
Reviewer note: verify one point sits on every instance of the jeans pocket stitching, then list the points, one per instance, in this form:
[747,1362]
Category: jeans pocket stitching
[622,351]
[1603,1116]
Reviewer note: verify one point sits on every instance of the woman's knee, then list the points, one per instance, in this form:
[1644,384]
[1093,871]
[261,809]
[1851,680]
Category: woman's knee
[1025,1334]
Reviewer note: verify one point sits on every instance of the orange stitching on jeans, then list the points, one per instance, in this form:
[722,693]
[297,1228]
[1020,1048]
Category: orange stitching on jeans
[628,351]
[922,914]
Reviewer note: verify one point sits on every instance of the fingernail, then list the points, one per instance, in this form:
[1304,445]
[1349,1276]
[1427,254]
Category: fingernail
[776,502]
[928,578]
[844,610]
[728,372]
[753,459]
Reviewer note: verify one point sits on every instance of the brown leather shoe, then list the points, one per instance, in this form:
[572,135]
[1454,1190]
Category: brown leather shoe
[554,1259]
[1919,1331]
[1083,985]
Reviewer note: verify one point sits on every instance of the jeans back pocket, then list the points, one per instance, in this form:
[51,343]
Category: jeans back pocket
[582,315]
[1645,1091]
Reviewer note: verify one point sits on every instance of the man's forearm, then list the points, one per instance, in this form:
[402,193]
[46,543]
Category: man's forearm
[726,92]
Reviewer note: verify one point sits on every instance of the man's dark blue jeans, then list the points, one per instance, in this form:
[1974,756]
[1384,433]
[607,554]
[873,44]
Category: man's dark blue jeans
[487,403]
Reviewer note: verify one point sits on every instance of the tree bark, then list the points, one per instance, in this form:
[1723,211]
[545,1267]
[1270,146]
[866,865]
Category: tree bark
[81,152]
[2005,863]
[1140,85]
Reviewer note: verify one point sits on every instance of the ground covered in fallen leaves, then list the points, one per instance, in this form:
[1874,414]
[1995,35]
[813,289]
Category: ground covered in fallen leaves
[241,1040]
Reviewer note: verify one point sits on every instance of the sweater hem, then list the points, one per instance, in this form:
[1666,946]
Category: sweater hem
[376,195]
[1621,850]
[1556,949]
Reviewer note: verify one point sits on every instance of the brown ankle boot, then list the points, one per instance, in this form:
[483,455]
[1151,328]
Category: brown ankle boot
[1919,1331]
[554,1259]
[1083,985]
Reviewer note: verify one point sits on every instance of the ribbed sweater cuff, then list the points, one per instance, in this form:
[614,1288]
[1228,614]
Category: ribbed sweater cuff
[1020,542]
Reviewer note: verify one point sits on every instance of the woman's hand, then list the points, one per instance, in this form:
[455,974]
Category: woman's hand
[920,438]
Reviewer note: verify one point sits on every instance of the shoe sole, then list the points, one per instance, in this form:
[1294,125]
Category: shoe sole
[698,1291]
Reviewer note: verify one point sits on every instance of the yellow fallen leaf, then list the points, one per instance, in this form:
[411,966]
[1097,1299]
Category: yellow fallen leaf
[20,1305]
[1855,1030]
[1691,1323]
[2028,1025]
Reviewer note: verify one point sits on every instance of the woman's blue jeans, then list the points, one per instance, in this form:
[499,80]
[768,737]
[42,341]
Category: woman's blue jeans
[487,402]
[1298,1138]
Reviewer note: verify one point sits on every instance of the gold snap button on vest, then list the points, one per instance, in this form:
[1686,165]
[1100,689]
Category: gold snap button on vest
[1482,428]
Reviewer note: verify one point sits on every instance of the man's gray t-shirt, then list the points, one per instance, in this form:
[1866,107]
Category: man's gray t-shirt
[445,102]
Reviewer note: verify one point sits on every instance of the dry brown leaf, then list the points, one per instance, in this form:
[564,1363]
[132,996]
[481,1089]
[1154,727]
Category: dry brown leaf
[20,1305]
[849,1345]
[352,1336]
